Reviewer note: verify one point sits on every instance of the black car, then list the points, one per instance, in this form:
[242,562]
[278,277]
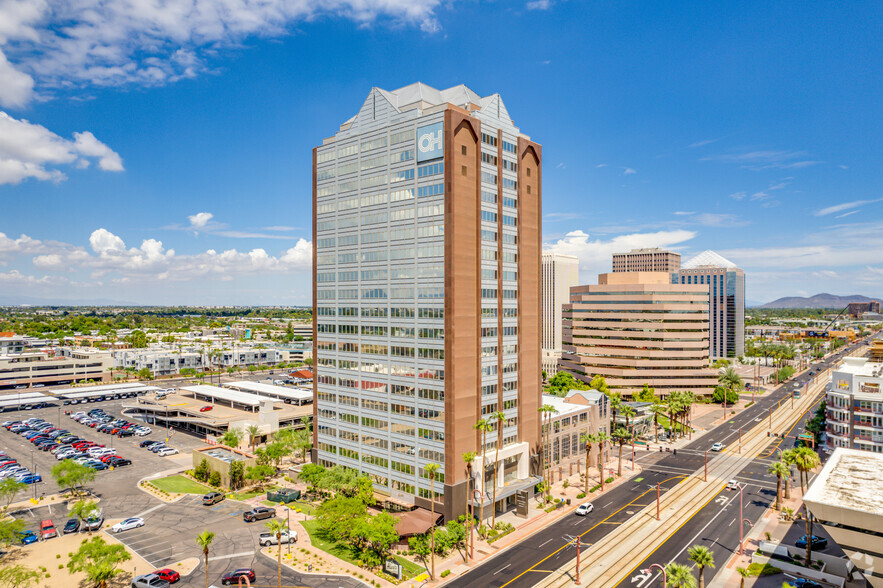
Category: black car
[817,542]
[119,462]
[126,433]
[233,577]
[803,583]
[147,443]
[72,526]
[212,498]
[258,513]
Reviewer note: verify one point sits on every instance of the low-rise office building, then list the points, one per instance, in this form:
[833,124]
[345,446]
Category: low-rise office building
[855,405]
[580,412]
[160,362]
[48,367]
[846,498]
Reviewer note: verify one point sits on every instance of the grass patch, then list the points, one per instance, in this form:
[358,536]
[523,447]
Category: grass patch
[304,507]
[758,569]
[249,495]
[180,484]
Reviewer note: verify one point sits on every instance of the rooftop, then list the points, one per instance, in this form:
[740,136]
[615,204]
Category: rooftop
[708,258]
[562,406]
[851,480]
[262,388]
[860,366]
[228,395]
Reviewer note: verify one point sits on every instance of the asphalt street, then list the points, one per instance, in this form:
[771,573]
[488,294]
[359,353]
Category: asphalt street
[527,562]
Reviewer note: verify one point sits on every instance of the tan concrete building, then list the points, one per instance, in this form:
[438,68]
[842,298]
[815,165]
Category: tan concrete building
[220,458]
[846,498]
[638,328]
[49,367]
[427,292]
[560,274]
[647,260]
[580,412]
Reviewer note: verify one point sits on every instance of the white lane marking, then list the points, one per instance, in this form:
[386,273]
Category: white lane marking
[501,569]
[150,510]
[231,555]
[544,542]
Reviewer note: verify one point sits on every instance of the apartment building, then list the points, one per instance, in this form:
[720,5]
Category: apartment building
[638,328]
[647,260]
[726,300]
[854,405]
[426,294]
[160,362]
[560,273]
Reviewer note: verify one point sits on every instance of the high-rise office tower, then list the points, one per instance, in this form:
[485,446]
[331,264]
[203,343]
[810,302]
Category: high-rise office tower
[647,260]
[637,328]
[726,295]
[560,272]
[426,294]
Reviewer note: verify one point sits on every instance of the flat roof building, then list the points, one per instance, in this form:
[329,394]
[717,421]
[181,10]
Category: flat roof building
[289,395]
[638,328]
[854,405]
[427,292]
[54,367]
[560,273]
[647,260]
[847,499]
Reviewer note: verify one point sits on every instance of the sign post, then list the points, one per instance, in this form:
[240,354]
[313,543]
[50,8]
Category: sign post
[393,568]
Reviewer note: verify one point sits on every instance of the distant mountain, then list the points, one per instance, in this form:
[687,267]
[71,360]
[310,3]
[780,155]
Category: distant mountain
[31,301]
[817,301]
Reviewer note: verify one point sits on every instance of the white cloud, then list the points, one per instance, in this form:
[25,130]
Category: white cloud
[539,5]
[24,245]
[595,256]
[28,150]
[760,160]
[627,171]
[702,143]
[16,87]
[199,219]
[600,165]
[71,43]
[845,206]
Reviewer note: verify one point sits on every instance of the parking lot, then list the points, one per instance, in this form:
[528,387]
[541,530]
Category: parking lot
[170,529]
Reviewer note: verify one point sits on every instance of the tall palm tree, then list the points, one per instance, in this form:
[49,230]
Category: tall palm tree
[679,576]
[545,411]
[628,412]
[500,417]
[253,431]
[806,460]
[587,439]
[602,437]
[788,457]
[615,403]
[781,471]
[204,540]
[277,527]
[657,409]
[430,469]
[744,574]
[729,381]
[468,458]
[703,557]
[483,427]
[620,435]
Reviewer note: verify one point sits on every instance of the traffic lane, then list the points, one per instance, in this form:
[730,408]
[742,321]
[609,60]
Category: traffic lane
[513,566]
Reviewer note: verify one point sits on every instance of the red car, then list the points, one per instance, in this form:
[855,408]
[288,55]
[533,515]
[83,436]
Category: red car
[107,458]
[205,409]
[170,576]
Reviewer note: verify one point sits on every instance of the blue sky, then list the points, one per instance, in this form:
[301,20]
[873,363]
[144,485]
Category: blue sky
[162,155]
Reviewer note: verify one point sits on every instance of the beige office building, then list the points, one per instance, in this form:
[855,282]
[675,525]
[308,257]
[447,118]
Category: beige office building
[560,273]
[638,328]
[647,260]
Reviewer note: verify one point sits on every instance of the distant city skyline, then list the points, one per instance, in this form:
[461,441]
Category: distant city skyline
[158,160]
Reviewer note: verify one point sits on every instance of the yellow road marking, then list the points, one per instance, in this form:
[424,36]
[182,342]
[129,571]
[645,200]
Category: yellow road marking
[593,527]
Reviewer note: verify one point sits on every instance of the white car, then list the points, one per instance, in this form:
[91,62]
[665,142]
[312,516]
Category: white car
[717,446]
[142,431]
[584,509]
[166,451]
[127,524]
[732,485]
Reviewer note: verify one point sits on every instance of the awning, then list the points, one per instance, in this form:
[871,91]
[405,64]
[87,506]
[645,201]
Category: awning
[415,522]
[511,489]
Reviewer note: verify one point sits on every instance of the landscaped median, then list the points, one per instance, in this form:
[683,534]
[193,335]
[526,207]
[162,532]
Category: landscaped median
[171,488]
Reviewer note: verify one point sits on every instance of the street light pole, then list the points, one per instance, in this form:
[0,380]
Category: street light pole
[706,465]
[657,501]
[661,569]
[577,560]
[750,526]
[740,440]
[771,418]
[741,526]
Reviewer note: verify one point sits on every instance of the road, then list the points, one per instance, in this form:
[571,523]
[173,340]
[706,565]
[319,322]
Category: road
[530,560]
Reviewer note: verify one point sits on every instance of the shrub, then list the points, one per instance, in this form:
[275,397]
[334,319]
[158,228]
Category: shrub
[565,484]
[557,500]
[214,479]
[758,569]
[57,556]
[581,495]
[60,566]
[446,573]
[608,480]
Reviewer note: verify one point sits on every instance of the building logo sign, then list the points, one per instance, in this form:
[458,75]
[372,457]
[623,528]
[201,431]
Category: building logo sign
[430,142]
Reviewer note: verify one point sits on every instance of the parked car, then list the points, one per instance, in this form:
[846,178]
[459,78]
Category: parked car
[266,539]
[258,513]
[233,577]
[119,462]
[93,523]
[169,575]
[27,537]
[31,479]
[72,526]
[47,530]
[584,509]
[803,583]
[147,443]
[717,446]
[213,498]
[127,524]
[166,451]
[817,542]
[149,581]
[206,408]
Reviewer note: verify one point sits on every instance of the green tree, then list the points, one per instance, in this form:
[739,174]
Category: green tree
[237,474]
[276,528]
[500,421]
[204,541]
[145,374]
[732,397]
[457,536]
[789,458]
[730,381]
[18,576]
[563,382]
[647,394]
[743,573]
[806,461]
[656,410]
[679,576]
[302,442]
[137,339]
[232,438]
[98,560]
[781,471]
[9,488]
[70,474]
[419,545]
[373,537]
[600,384]
[335,516]
[602,438]
[431,469]
[469,459]
[253,431]
[214,479]
[84,509]
[483,427]
[587,439]
[10,528]
[703,557]
[259,473]
[202,470]
[620,437]
[312,473]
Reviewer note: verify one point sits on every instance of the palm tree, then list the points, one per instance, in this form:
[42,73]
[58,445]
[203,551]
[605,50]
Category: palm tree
[430,469]
[788,457]
[276,527]
[703,557]
[620,435]
[204,540]
[500,417]
[806,460]
[657,409]
[729,381]
[253,431]
[545,411]
[468,458]
[615,403]
[602,437]
[744,574]
[483,426]
[587,439]
[679,576]
[781,471]
[628,412]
